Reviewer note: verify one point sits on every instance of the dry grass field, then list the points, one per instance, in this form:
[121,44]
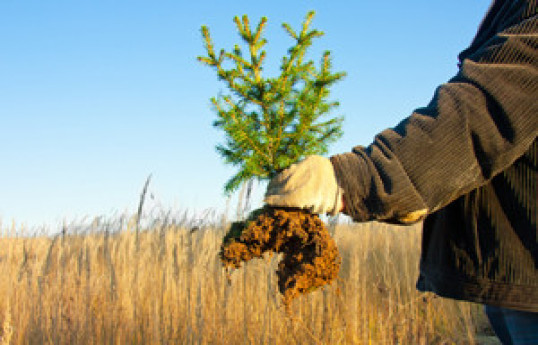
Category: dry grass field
[165,285]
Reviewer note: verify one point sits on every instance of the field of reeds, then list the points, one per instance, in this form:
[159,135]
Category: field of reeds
[162,283]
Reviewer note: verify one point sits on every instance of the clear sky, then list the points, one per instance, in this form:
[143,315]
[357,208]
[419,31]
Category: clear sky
[96,95]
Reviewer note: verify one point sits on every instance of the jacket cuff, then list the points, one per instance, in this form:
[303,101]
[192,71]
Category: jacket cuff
[354,177]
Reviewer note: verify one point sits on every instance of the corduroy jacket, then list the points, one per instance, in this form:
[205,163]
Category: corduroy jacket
[469,160]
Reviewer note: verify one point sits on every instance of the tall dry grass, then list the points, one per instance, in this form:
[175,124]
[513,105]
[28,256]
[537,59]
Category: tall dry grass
[166,286]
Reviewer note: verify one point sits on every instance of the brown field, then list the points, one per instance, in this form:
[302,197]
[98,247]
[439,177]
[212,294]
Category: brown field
[166,286]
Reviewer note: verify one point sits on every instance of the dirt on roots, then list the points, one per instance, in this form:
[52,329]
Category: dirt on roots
[310,256]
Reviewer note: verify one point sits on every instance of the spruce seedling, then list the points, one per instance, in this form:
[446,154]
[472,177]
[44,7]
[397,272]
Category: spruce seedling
[271,122]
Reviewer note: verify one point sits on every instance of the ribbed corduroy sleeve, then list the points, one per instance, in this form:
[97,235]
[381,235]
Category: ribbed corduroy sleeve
[476,126]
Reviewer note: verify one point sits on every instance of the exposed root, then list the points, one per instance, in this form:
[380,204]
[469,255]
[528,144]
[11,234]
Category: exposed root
[310,256]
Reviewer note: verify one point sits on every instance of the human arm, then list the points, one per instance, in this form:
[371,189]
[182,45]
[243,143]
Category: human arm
[476,126]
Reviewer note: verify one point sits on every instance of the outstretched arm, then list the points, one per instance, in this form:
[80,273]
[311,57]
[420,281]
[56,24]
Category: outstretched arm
[476,126]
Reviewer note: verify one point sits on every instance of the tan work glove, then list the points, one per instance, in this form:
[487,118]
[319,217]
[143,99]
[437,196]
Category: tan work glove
[310,184]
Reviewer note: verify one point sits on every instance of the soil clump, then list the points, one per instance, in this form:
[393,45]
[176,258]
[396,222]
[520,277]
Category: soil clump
[310,257]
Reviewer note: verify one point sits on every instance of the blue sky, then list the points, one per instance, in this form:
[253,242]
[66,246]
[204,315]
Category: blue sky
[97,95]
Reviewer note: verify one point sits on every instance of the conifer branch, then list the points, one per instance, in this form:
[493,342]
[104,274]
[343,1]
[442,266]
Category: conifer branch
[270,123]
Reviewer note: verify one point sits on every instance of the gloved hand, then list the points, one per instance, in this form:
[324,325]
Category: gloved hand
[310,184]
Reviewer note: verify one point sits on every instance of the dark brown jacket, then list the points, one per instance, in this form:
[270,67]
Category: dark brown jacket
[470,159]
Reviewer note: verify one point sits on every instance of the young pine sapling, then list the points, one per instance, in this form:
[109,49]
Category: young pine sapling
[269,124]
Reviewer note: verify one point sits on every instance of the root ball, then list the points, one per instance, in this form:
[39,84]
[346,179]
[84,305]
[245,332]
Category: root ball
[310,256]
